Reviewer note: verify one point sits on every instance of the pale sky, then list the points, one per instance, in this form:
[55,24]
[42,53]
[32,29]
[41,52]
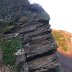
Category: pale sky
[60,12]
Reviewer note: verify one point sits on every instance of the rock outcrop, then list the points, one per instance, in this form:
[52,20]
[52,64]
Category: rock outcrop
[29,23]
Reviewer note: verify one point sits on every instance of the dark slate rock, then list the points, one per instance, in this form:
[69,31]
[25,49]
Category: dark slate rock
[43,64]
[1,56]
[10,9]
[30,23]
[33,51]
[36,8]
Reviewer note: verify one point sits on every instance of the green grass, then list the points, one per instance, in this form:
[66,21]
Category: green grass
[9,48]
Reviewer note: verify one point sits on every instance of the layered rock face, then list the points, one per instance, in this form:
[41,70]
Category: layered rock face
[30,23]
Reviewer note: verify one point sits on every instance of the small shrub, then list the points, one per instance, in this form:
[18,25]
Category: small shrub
[9,47]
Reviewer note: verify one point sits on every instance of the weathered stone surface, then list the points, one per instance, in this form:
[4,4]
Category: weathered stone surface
[36,49]
[43,63]
[1,56]
[10,9]
[30,23]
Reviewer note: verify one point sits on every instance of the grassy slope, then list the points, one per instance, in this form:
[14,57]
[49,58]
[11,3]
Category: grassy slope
[62,38]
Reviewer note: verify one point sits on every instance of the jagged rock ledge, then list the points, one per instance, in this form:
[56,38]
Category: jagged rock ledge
[29,23]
